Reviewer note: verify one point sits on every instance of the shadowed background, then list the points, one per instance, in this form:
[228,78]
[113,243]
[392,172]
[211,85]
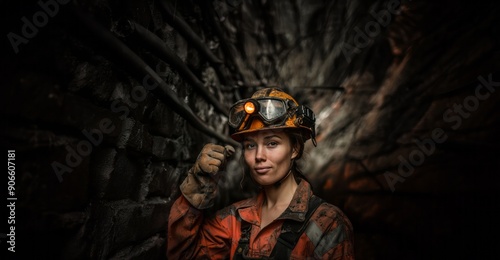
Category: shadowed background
[107,104]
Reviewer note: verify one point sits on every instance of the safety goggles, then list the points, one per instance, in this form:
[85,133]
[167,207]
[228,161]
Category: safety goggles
[270,110]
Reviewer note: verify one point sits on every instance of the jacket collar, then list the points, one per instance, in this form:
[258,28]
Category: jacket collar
[250,210]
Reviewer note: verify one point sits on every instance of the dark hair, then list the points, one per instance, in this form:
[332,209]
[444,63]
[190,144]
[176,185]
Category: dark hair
[297,141]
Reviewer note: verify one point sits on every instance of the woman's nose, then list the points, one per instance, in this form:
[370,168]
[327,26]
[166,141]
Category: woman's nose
[260,153]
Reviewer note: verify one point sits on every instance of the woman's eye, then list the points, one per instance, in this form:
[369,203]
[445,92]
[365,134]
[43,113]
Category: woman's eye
[249,146]
[272,144]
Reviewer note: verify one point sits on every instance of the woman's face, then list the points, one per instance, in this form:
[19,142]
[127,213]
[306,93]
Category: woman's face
[268,154]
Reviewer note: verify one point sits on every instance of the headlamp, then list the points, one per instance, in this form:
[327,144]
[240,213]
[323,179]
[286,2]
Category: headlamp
[249,107]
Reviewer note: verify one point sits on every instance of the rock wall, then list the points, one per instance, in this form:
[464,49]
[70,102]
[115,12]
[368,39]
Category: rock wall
[100,144]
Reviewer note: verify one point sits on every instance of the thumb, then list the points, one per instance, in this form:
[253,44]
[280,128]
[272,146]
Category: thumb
[228,151]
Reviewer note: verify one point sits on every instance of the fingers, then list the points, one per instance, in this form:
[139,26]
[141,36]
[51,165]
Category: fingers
[213,151]
[211,158]
[212,166]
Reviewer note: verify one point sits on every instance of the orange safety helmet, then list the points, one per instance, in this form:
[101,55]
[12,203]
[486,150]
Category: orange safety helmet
[270,108]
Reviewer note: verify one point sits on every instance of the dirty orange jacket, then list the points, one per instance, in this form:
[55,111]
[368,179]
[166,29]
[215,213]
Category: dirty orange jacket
[328,234]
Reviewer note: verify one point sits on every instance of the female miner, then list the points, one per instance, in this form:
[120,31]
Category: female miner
[285,220]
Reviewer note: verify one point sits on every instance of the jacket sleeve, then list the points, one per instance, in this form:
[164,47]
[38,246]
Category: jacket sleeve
[191,236]
[337,241]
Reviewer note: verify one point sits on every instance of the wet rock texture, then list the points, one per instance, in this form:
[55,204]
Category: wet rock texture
[105,123]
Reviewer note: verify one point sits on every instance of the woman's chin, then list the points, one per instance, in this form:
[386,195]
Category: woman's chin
[264,180]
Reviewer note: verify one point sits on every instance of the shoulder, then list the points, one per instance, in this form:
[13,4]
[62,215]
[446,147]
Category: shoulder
[336,240]
[329,216]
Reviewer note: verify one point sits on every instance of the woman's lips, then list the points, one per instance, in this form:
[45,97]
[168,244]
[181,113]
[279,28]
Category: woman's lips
[262,170]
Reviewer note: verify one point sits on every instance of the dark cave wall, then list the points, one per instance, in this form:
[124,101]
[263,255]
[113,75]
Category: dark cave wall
[99,156]
[69,96]
[407,149]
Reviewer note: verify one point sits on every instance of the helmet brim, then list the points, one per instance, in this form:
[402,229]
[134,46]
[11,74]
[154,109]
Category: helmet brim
[240,136]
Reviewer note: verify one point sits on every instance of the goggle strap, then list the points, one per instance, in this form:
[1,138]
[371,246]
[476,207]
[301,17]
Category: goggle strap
[247,121]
